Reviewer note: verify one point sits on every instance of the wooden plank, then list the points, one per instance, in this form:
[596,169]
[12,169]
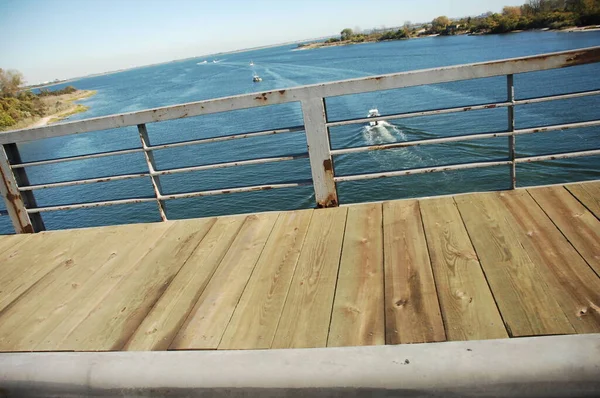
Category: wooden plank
[60,315]
[256,316]
[526,303]
[467,305]
[10,242]
[42,254]
[120,309]
[64,286]
[587,193]
[23,262]
[160,326]
[307,311]
[411,302]
[580,226]
[574,284]
[358,313]
[206,323]
[101,285]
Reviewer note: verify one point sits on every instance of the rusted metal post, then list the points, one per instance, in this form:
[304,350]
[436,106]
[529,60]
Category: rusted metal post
[319,151]
[510,88]
[151,167]
[16,202]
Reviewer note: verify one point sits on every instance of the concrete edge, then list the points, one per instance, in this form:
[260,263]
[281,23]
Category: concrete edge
[536,366]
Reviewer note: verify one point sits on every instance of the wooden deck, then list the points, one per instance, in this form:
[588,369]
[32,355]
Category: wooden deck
[474,266]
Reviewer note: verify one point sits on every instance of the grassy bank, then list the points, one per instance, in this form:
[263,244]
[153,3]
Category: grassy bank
[65,106]
[61,116]
[27,109]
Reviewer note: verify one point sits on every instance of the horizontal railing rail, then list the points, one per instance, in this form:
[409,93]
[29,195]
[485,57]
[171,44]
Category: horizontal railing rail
[19,197]
[223,165]
[77,157]
[162,146]
[170,197]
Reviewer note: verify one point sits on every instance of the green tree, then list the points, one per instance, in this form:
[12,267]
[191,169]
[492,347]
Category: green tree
[407,27]
[587,11]
[347,34]
[10,81]
[513,12]
[391,35]
[581,6]
[440,24]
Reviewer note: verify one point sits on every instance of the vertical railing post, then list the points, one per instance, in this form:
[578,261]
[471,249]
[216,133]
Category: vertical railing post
[17,202]
[319,150]
[510,88]
[152,168]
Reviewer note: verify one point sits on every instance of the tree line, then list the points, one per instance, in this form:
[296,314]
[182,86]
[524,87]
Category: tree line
[349,35]
[534,14]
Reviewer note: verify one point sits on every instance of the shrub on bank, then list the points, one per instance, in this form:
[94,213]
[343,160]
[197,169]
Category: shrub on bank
[44,92]
[6,120]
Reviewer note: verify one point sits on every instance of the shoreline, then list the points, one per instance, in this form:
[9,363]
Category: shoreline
[73,109]
[314,45]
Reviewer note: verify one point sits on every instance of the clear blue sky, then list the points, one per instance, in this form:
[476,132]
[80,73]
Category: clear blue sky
[48,39]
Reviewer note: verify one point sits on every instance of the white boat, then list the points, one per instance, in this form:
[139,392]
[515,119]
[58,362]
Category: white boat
[203,62]
[373,113]
[251,63]
[256,79]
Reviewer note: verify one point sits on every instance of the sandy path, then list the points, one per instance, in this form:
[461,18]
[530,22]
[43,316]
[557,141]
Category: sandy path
[41,123]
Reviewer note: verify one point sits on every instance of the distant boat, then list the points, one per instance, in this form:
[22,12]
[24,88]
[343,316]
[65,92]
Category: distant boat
[203,62]
[251,63]
[373,113]
[256,79]
[214,61]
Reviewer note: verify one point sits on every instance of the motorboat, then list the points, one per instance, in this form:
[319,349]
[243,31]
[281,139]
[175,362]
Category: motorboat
[251,63]
[256,79]
[373,113]
[203,62]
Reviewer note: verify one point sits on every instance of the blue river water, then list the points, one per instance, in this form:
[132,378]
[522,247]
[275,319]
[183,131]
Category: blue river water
[281,67]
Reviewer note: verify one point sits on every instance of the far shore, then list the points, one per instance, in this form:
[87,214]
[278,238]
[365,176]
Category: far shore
[68,108]
[313,45]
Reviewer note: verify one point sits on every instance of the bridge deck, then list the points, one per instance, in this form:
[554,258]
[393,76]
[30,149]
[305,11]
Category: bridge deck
[474,266]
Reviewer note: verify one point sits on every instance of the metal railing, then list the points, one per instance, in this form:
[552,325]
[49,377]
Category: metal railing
[18,193]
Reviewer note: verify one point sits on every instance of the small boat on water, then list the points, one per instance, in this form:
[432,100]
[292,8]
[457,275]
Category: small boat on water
[373,113]
[251,63]
[203,62]
[256,79]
